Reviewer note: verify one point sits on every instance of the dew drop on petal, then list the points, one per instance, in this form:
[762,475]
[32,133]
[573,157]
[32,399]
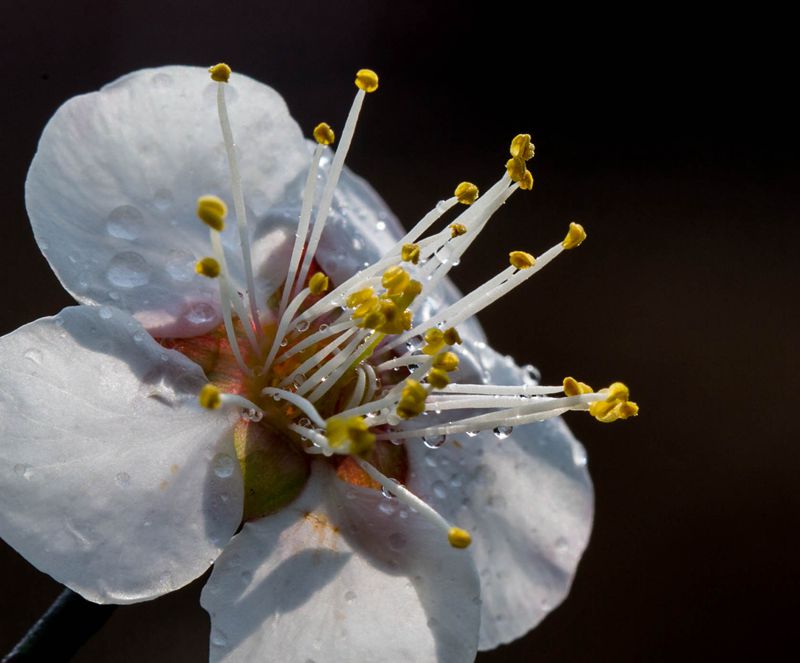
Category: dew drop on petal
[24,471]
[386,507]
[472,433]
[200,313]
[302,326]
[33,355]
[502,432]
[163,199]
[441,206]
[218,638]
[439,489]
[350,596]
[247,577]
[223,465]
[125,222]
[561,545]
[123,479]
[128,270]
[434,441]
[105,313]
[251,414]
[180,266]
[162,80]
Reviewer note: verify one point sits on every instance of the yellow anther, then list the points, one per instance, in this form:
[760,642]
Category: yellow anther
[210,397]
[409,294]
[459,538]
[366,80]
[434,341]
[516,168]
[521,260]
[617,393]
[521,147]
[457,229]
[410,253]
[395,279]
[526,183]
[447,361]
[323,134]
[318,284]
[373,320]
[604,411]
[369,306]
[467,193]
[574,388]
[575,236]
[627,409]
[451,336]
[438,378]
[350,431]
[359,297]
[412,399]
[220,72]
[212,211]
[207,267]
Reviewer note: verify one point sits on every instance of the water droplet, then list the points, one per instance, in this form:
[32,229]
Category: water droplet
[358,243]
[302,326]
[387,494]
[128,270]
[162,80]
[434,441]
[218,638]
[441,206]
[276,397]
[162,199]
[24,471]
[180,266]
[323,327]
[439,490]
[223,465]
[502,432]
[532,373]
[380,226]
[392,419]
[125,222]
[251,414]
[139,336]
[33,355]
[114,296]
[472,433]
[456,481]
[284,342]
[105,313]
[430,461]
[350,596]
[200,313]
[298,380]
[247,577]
[561,545]
[386,507]
[397,541]
[545,605]
[123,479]
[443,254]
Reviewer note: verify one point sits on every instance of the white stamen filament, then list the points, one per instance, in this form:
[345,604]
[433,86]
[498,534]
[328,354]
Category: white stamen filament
[404,495]
[316,337]
[329,374]
[358,389]
[330,185]
[306,406]
[239,208]
[309,192]
[239,401]
[318,357]
[283,325]
[502,390]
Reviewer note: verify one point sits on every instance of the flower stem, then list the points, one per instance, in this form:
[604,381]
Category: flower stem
[66,625]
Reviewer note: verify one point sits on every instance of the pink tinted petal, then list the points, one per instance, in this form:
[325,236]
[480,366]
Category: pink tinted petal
[112,190]
[112,479]
[527,500]
[334,578]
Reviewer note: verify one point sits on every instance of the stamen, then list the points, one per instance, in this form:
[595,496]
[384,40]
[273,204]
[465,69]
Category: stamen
[211,398]
[358,389]
[318,357]
[307,407]
[238,195]
[367,81]
[458,538]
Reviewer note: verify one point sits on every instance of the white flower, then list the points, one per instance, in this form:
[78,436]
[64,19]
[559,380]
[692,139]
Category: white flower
[117,483]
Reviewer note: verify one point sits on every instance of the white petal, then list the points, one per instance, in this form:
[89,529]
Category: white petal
[112,190]
[527,501]
[334,579]
[112,479]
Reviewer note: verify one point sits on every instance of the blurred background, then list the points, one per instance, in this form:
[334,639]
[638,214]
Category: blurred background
[669,134]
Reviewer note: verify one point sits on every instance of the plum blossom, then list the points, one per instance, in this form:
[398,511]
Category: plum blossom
[292,391]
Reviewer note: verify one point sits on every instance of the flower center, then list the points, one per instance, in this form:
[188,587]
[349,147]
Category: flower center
[336,370]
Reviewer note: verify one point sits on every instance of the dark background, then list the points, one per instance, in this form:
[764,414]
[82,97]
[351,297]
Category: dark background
[671,135]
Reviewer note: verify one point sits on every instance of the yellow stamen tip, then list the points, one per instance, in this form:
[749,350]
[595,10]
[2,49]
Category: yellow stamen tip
[459,538]
[451,336]
[366,80]
[207,267]
[522,147]
[410,253]
[457,229]
[628,409]
[521,260]
[437,378]
[575,236]
[434,341]
[220,72]
[467,193]
[318,283]
[526,183]
[516,168]
[395,279]
[350,431]
[447,361]
[212,211]
[617,393]
[323,134]
[574,388]
[210,397]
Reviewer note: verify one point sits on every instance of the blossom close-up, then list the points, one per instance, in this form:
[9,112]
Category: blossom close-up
[267,375]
